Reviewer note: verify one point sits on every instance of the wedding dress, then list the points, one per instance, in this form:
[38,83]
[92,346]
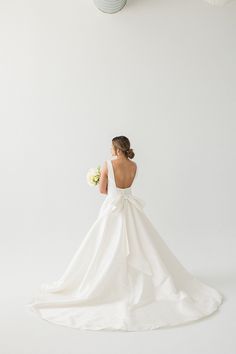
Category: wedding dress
[123,276]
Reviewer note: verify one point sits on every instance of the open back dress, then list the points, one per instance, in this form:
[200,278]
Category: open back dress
[123,276]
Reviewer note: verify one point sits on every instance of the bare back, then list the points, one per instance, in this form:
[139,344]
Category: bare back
[124,172]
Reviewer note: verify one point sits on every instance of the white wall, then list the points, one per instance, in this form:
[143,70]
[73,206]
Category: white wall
[161,72]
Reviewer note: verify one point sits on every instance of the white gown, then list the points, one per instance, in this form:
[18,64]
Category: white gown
[123,276]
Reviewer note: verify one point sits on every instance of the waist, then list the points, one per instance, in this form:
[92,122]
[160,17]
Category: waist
[127,190]
[120,191]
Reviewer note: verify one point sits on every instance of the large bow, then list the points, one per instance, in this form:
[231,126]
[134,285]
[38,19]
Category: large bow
[134,252]
[121,199]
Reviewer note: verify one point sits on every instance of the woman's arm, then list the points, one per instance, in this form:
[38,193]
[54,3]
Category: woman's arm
[103,181]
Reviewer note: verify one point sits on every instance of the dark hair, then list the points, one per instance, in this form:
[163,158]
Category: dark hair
[122,142]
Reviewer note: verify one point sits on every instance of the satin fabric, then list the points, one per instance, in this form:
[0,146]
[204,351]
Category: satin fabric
[123,276]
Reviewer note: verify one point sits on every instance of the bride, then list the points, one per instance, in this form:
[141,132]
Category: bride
[123,276]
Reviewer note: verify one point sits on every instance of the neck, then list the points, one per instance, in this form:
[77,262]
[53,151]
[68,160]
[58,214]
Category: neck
[121,157]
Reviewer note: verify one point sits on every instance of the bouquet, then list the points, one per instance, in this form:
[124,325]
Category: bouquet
[93,176]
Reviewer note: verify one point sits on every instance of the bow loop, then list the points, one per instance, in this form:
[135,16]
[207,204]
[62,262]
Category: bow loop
[121,199]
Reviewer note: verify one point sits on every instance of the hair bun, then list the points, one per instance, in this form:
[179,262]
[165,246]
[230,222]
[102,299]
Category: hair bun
[130,153]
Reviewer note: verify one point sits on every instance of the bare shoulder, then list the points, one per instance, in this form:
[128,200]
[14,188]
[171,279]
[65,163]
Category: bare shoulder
[134,164]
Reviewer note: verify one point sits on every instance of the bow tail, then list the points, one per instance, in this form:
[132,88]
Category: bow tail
[135,257]
[126,239]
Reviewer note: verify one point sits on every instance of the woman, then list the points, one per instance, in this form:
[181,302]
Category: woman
[124,167]
[123,276]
